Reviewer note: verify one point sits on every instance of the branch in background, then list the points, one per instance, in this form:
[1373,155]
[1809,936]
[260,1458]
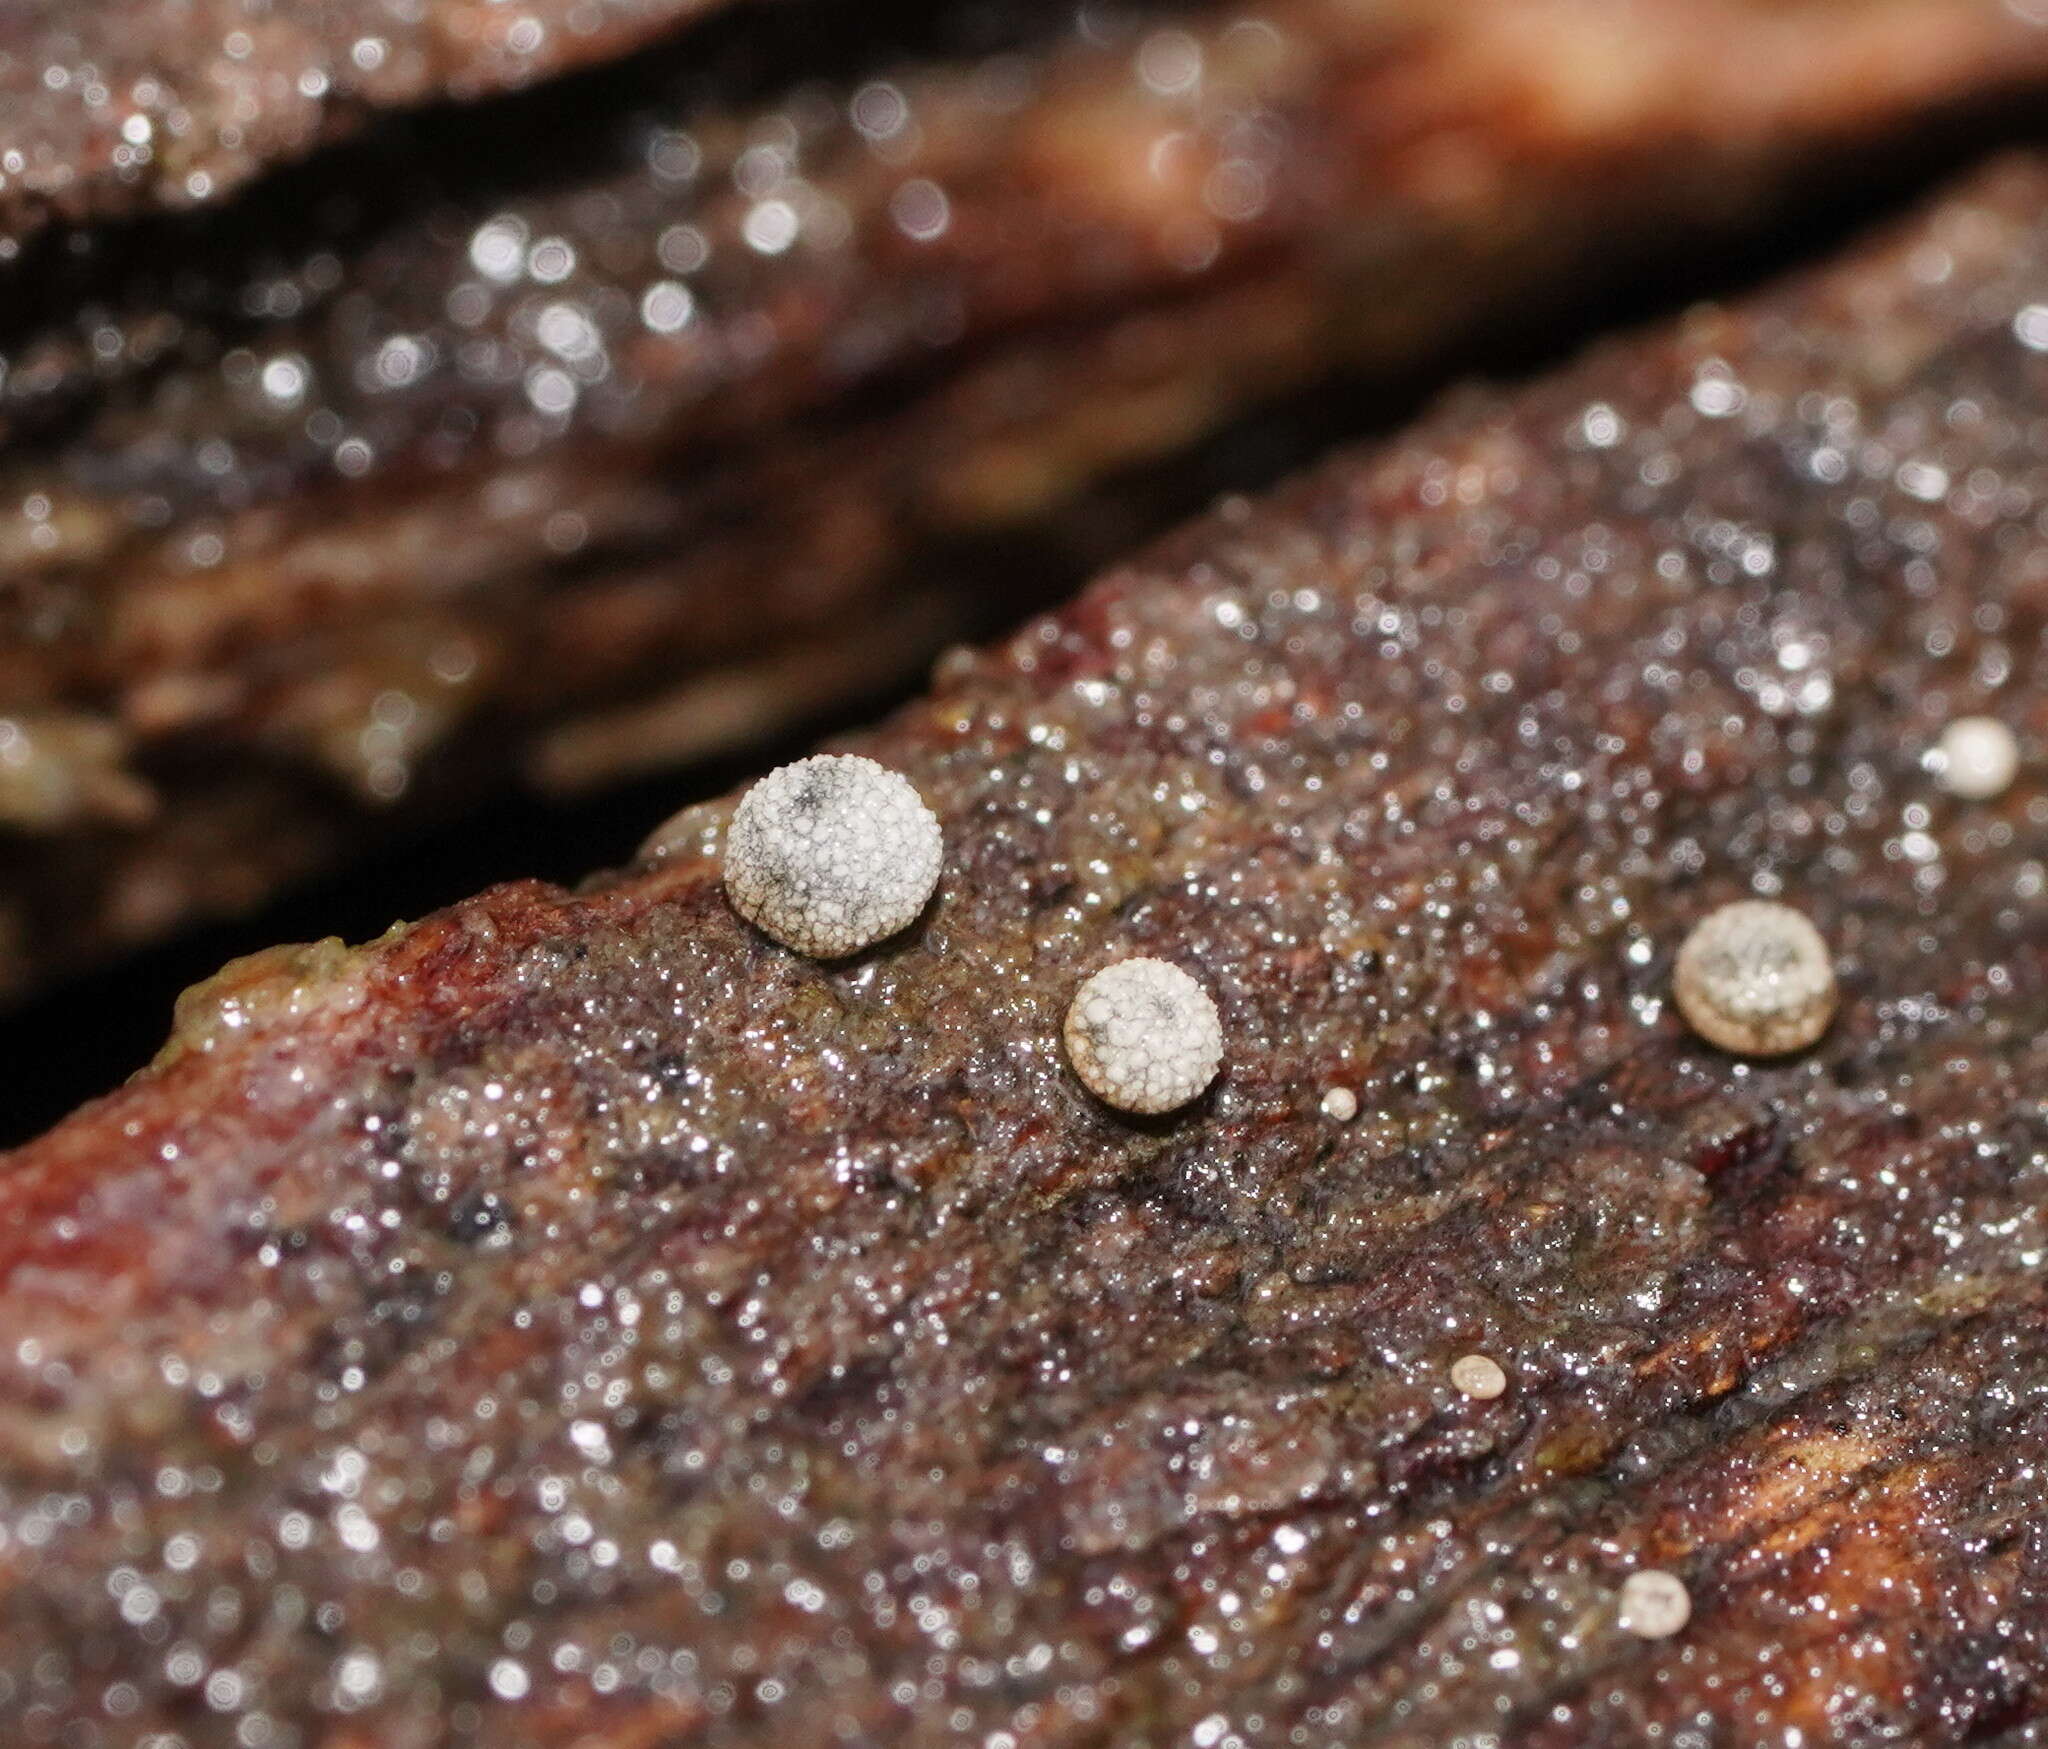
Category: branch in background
[356,523]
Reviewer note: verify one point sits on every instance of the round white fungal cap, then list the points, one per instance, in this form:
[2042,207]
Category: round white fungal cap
[1144,1036]
[1756,978]
[1976,758]
[1654,1604]
[831,854]
[1480,1376]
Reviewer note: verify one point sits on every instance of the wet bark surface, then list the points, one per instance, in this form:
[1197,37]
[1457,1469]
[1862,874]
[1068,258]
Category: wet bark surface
[574,1320]
[108,107]
[478,449]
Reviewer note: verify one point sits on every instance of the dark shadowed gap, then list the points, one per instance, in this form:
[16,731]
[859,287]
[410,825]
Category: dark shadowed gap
[83,1038]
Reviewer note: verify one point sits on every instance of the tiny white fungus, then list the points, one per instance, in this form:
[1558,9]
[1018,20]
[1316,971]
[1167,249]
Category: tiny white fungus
[1756,978]
[1479,1375]
[1977,758]
[832,854]
[1654,1604]
[1144,1036]
[1341,1104]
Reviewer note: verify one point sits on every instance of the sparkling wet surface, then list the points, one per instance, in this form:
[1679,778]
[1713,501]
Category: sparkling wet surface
[106,108]
[336,498]
[575,1320]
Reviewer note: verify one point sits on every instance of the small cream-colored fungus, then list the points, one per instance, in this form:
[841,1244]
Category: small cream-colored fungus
[1756,978]
[1479,1375]
[1340,1104]
[832,854]
[1976,758]
[1144,1036]
[1654,1604]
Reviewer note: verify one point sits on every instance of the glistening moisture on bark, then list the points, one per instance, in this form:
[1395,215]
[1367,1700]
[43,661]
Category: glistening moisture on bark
[614,421]
[577,1317]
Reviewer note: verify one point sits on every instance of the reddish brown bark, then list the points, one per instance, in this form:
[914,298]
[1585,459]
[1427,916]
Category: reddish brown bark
[573,1319]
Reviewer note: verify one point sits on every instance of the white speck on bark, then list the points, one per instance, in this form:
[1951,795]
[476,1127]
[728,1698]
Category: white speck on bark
[1479,1375]
[832,854]
[1756,978]
[1340,1104]
[1144,1036]
[1976,758]
[1654,1604]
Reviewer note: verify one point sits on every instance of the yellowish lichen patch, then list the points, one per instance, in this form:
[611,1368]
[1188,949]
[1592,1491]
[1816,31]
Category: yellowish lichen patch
[260,989]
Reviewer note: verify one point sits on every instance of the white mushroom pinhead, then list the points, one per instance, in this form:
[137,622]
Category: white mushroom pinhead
[1756,978]
[1480,1376]
[1144,1036]
[831,854]
[1654,1604]
[1976,758]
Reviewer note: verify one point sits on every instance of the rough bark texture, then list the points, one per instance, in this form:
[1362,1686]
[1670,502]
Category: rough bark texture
[107,106]
[378,484]
[574,1320]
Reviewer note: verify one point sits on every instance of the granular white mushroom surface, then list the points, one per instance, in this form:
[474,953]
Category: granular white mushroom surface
[1756,978]
[1144,1036]
[832,854]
